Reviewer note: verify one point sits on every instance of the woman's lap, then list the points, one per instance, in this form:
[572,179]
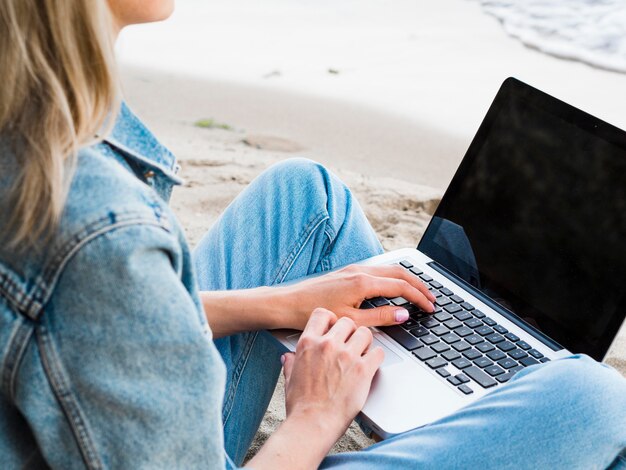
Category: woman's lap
[297,219]
[294,220]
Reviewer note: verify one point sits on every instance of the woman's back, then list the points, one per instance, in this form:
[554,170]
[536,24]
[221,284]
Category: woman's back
[100,322]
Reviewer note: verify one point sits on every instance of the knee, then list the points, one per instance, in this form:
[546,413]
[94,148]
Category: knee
[595,392]
[297,170]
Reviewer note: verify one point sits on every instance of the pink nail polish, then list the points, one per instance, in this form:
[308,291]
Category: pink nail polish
[433,306]
[282,359]
[401,315]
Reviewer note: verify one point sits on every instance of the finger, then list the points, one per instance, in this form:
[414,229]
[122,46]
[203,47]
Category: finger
[287,359]
[360,340]
[320,322]
[373,359]
[381,316]
[398,272]
[342,330]
[387,287]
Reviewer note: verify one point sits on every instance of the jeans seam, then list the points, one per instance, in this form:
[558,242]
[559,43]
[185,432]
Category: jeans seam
[237,373]
[306,235]
[60,386]
[19,339]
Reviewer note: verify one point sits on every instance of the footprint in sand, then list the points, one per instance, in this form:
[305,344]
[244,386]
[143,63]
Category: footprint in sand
[272,144]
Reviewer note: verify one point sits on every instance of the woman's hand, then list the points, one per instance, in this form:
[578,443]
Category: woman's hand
[327,381]
[344,290]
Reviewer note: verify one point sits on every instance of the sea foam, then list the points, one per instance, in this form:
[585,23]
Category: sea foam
[590,31]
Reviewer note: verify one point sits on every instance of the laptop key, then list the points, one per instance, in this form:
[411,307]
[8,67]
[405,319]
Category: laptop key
[489,321]
[457,299]
[440,330]
[494,338]
[366,305]
[429,322]
[494,370]
[443,316]
[447,292]
[484,330]
[478,314]
[512,337]
[472,354]
[429,339]
[379,302]
[440,347]
[485,347]
[467,306]
[507,363]
[454,381]
[462,378]
[442,371]
[407,325]
[406,340]
[450,338]
[517,354]
[474,339]
[528,361]
[464,331]
[397,301]
[505,346]
[419,331]
[436,362]
[424,354]
[536,354]
[462,315]
[436,293]
[465,389]
[482,362]
[461,363]
[523,345]
[479,377]
[450,355]
[453,323]
[452,308]
[442,301]
[503,378]
[406,264]
[425,277]
[473,323]
[415,271]
[436,285]
[496,355]
[461,346]
[500,329]
[544,360]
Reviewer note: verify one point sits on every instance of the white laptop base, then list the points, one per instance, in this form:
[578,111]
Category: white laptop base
[406,393]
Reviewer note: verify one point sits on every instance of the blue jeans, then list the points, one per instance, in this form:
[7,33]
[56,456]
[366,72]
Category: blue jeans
[297,219]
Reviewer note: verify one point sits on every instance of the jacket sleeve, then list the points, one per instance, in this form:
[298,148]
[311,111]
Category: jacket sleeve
[131,349]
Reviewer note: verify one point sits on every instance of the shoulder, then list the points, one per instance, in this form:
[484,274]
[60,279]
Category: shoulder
[104,196]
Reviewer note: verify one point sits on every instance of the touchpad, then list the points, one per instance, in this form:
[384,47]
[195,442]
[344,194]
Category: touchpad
[390,356]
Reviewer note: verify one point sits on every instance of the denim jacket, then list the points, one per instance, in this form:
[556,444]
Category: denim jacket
[106,358]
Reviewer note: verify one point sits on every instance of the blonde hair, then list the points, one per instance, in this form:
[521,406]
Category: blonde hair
[59,90]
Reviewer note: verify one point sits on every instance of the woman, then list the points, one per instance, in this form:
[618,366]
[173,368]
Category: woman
[107,359]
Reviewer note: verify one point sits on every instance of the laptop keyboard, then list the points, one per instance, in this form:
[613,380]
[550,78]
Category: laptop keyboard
[482,352]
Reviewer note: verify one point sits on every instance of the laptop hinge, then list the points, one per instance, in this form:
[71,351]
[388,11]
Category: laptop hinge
[497,307]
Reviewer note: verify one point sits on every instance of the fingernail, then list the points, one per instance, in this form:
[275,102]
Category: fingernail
[282,359]
[433,306]
[401,315]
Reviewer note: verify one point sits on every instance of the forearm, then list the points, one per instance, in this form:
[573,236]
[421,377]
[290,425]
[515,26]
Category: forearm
[299,443]
[262,308]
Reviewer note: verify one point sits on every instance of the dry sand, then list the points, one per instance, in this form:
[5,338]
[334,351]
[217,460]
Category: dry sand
[218,163]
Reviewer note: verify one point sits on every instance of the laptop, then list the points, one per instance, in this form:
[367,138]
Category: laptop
[526,255]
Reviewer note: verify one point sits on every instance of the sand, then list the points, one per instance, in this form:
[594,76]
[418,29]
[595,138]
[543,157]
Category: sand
[217,164]
[387,98]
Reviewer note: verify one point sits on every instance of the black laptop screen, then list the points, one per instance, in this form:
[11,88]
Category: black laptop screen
[535,218]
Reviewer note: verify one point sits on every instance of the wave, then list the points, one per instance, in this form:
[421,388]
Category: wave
[589,31]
